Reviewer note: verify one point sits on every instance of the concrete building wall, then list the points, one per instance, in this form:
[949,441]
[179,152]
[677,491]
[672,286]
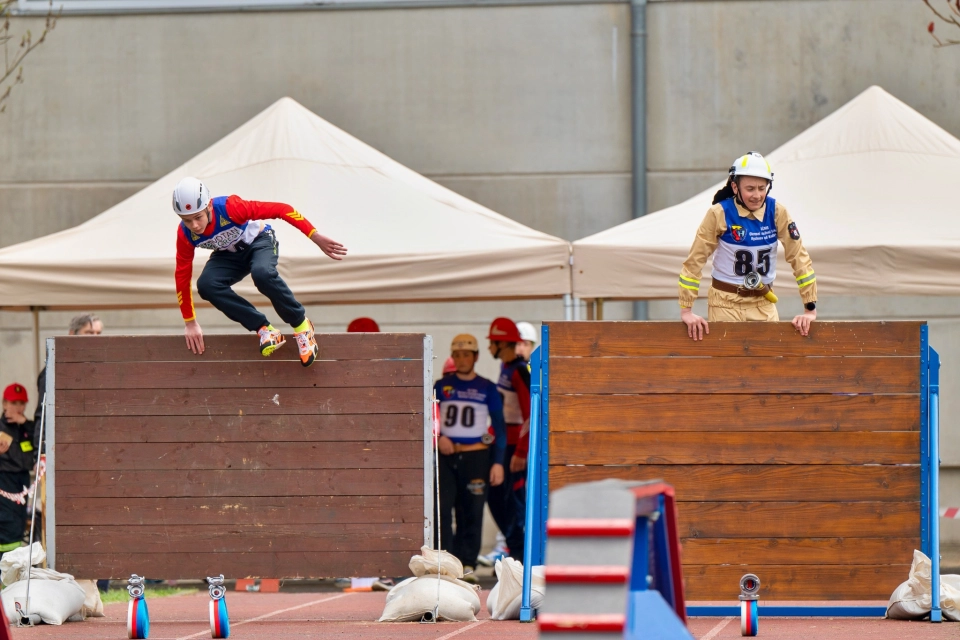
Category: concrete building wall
[525,109]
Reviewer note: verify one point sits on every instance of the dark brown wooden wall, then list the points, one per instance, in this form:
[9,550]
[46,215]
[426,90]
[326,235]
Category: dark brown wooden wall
[172,465]
[797,459]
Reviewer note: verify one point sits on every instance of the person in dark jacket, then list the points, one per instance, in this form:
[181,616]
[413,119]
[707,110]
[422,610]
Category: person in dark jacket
[16,460]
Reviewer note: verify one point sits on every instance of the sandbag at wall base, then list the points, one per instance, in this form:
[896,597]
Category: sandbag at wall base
[912,599]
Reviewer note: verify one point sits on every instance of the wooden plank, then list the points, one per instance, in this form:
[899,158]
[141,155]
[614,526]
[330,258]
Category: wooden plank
[799,519]
[816,551]
[241,538]
[598,339]
[740,412]
[233,428]
[252,456]
[742,375]
[231,510]
[795,582]
[687,447]
[186,565]
[233,484]
[214,374]
[762,483]
[333,346]
[237,402]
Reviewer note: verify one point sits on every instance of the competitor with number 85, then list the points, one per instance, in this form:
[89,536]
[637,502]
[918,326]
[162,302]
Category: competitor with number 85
[741,231]
[470,451]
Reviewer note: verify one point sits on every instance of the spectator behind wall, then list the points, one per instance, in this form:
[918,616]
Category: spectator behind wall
[363,325]
[85,324]
[16,460]
[528,342]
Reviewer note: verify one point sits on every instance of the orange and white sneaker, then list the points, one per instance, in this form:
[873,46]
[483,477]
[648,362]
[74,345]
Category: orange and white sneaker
[270,340]
[308,346]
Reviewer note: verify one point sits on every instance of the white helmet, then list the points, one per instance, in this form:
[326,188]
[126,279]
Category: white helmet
[527,332]
[751,164]
[190,196]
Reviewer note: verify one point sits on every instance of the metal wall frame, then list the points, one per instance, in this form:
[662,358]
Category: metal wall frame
[429,508]
[50,444]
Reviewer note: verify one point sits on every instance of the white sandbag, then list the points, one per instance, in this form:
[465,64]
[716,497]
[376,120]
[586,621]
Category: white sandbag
[912,599]
[426,563]
[53,600]
[13,564]
[92,603]
[505,598]
[414,597]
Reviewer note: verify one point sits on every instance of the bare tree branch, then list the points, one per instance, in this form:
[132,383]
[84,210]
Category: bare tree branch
[13,61]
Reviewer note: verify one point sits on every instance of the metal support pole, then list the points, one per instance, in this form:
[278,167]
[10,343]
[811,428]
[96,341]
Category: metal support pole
[638,78]
[576,309]
[36,341]
[567,307]
[936,615]
[533,495]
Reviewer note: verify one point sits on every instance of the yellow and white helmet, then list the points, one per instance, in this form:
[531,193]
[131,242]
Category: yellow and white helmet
[464,342]
[751,164]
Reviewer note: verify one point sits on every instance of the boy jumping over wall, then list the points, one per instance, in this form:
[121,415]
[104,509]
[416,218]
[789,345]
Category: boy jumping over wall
[242,245]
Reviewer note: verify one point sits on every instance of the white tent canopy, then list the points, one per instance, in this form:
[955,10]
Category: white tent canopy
[408,237]
[874,189]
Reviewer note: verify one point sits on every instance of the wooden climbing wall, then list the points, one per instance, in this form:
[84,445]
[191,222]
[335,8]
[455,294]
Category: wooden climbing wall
[798,459]
[172,465]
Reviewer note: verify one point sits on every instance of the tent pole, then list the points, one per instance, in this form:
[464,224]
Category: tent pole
[567,307]
[36,340]
[638,42]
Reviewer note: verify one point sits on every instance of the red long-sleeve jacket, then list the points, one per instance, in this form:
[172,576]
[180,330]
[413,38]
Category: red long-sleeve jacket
[235,227]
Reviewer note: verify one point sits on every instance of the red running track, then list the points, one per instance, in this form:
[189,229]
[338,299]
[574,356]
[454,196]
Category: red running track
[285,616]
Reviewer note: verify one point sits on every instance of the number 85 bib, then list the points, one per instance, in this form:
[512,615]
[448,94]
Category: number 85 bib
[747,245]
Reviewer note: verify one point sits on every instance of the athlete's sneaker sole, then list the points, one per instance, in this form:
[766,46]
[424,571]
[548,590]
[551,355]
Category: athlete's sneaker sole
[267,350]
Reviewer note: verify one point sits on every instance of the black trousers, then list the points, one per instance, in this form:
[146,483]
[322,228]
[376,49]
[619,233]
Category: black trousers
[259,260]
[464,478]
[508,506]
[13,516]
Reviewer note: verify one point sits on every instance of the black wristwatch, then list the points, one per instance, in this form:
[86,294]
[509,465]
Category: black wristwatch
[810,306]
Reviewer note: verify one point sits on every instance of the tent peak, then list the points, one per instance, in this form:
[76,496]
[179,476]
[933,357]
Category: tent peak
[874,121]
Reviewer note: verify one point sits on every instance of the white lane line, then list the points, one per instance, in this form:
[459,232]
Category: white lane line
[472,625]
[270,615]
[717,629]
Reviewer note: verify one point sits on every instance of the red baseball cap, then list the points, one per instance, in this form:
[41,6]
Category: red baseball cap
[15,393]
[363,325]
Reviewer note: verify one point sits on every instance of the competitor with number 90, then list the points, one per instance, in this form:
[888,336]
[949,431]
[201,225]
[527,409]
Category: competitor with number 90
[468,403]
[742,228]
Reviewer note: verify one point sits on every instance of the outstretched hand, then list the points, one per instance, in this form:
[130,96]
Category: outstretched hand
[330,247]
